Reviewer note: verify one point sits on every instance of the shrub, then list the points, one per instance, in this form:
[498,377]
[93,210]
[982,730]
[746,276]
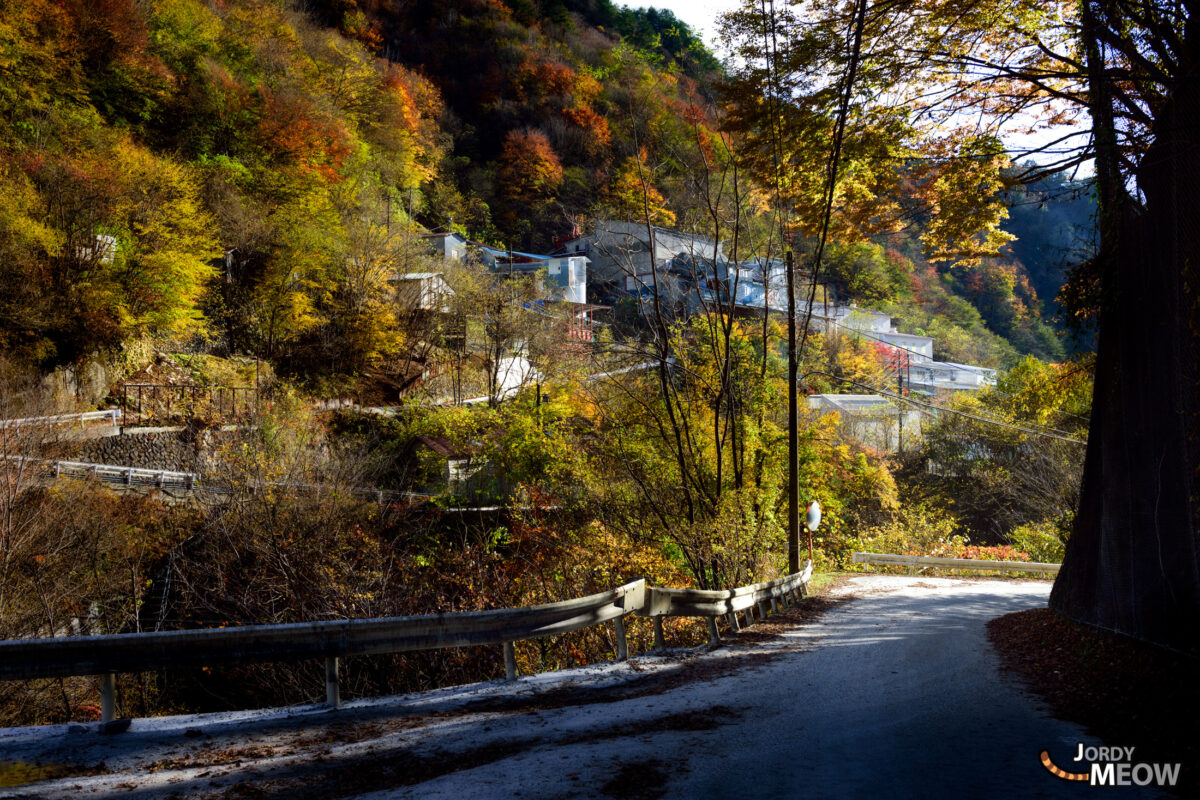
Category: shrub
[1044,541]
[914,531]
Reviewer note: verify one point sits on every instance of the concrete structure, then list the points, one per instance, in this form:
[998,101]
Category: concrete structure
[450,246]
[919,349]
[513,373]
[427,291]
[102,250]
[625,253]
[870,419]
[938,376]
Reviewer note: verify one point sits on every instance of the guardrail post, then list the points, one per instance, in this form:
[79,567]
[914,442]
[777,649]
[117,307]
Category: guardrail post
[510,662]
[622,643]
[333,695]
[660,642]
[749,616]
[762,609]
[734,625]
[108,697]
[714,637]
[774,606]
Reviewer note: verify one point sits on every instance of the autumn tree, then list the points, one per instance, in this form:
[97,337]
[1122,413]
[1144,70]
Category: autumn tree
[1121,70]
[506,325]
[634,196]
[1012,455]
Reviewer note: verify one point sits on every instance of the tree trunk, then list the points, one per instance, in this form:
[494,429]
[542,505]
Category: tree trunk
[1133,562]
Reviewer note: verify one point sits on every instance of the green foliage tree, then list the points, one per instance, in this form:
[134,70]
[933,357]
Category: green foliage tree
[993,472]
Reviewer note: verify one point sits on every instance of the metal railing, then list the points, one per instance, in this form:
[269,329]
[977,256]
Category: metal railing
[168,479]
[111,473]
[925,562]
[143,402]
[107,655]
[81,418]
[712,604]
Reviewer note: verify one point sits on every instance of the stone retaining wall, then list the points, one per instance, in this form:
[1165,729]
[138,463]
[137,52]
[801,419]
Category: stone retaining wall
[178,451]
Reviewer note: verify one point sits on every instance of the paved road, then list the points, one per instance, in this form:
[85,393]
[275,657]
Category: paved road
[893,694]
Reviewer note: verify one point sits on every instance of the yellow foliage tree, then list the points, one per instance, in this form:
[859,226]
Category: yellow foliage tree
[633,195]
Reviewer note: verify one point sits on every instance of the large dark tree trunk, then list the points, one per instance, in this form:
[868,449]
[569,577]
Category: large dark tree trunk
[1133,562]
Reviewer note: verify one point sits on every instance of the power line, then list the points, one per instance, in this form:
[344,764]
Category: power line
[868,335]
[930,408]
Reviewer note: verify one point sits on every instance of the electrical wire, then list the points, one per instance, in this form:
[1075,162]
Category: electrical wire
[930,408]
[868,335]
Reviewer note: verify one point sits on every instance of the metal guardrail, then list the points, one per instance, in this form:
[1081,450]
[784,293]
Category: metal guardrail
[925,562]
[63,656]
[107,655]
[712,604]
[110,473]
[380,496]
[63,419]
[167,479]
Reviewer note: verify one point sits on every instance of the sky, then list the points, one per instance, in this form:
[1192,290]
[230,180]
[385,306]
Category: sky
[701,15]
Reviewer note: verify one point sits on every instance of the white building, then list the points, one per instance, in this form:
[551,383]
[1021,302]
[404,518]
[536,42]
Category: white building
[870,419]
[626,253]
[864,320]
[450,246]
[427,291]
[918,348]
[940,376]
[560,278]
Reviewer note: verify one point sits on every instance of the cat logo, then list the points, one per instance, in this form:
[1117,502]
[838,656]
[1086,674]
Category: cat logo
[1114,766]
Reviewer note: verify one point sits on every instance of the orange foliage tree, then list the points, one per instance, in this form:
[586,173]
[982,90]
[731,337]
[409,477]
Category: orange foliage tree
[529,167]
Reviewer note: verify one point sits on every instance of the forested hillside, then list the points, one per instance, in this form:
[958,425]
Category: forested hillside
[253,171]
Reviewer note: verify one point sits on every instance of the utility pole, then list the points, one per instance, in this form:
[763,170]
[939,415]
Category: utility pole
[899,403]
[793,447]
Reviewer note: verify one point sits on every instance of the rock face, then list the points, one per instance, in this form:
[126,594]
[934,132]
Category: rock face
[84,385]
